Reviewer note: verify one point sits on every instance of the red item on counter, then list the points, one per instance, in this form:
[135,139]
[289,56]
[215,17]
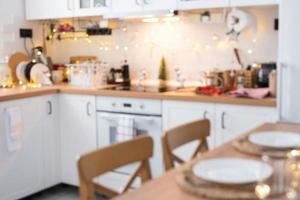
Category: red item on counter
[209,91]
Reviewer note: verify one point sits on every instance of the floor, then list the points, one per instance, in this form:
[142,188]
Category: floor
[60,192]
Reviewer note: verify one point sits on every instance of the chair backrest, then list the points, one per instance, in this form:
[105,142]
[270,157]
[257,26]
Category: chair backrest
[176,137]
[96,163]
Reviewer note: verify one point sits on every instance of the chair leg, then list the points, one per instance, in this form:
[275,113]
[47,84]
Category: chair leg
[87,191]
[146,172]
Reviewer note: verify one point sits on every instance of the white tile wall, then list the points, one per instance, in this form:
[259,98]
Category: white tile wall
[186,44]
[12,18]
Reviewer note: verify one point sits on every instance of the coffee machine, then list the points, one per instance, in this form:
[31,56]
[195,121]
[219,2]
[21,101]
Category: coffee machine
[120,76]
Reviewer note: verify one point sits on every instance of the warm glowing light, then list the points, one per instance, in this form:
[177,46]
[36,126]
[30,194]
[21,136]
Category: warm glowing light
[34,60]
[250,51]
[137,45]
[254,40]
[171,19]
[150,20]
[75,38]
[124,29]
[54,30]
[117,47]
[262,191]
[39,53]
[106,49]
[215,37]
[207,46]
[125,48]
[101,48]
[20,82]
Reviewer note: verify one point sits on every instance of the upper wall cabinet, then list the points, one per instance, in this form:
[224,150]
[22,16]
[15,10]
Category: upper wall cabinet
[46,9]
[199,4]
[121,8]
[91,7]
[160,5]
[203,4]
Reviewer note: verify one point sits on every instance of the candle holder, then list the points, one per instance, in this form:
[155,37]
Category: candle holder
[293,175]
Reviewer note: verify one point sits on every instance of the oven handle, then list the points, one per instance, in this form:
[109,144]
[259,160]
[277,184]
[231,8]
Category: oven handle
[138,119]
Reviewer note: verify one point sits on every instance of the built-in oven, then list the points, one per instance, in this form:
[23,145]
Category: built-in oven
[121,119]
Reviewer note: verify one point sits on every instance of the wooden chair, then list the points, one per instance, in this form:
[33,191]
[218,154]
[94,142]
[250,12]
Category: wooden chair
[184,134]
[106,159]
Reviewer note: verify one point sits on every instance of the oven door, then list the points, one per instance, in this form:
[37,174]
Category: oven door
[108,124]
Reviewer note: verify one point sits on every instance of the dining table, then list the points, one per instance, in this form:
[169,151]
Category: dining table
[166,186]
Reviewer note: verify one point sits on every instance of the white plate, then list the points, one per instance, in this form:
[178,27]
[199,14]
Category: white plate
[276,139]
[20,71]
[232,171]
[39,72]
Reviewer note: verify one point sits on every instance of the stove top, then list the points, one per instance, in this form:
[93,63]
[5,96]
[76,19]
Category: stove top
[142,89]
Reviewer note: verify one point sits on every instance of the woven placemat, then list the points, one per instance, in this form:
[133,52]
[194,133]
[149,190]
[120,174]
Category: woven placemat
[245,146]
[192,184]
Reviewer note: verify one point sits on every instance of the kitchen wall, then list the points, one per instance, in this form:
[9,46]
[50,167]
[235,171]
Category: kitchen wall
[12,17]
[187,44]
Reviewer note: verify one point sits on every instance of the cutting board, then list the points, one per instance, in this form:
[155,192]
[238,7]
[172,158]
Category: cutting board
[13,62]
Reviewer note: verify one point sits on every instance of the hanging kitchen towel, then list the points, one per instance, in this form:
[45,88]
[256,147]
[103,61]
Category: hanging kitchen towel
[13,128]
[125,128]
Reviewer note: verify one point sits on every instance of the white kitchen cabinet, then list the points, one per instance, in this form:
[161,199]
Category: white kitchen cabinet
[21,171]
[227,121]
[48,9]
[156,5]
[207,4]
[84,8]
[254,2]
[176,113]
[232,120]
[78,132]
[51,143]
[121,8]
[129,6]
[201,4]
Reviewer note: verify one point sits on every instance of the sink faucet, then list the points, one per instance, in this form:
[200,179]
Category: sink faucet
[142,77]
[179,78]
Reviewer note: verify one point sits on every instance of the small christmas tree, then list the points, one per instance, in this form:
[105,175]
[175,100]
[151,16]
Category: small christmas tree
[163,70]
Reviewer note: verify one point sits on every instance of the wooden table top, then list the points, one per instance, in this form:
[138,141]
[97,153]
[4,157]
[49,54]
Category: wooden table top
[166,187]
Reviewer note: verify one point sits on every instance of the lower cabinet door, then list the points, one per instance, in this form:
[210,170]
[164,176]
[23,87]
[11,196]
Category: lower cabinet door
[176,113]
[78,132]
[232,121]
[21,171]
[51,141]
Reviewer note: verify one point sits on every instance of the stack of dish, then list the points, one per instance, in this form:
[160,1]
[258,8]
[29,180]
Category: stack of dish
[33,72]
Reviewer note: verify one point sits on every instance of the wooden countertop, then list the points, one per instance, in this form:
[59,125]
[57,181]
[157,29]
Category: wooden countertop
[181,95]
[166,187]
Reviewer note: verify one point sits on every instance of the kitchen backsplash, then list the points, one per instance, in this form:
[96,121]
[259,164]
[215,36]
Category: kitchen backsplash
[187,44]
[12,18]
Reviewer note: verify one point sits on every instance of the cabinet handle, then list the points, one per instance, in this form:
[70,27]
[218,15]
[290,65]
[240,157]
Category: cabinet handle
[50,107]
[88,105]
[205,114]
[223,120]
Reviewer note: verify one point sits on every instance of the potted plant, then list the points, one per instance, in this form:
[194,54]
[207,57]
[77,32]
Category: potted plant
[162,73]
[205,17]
